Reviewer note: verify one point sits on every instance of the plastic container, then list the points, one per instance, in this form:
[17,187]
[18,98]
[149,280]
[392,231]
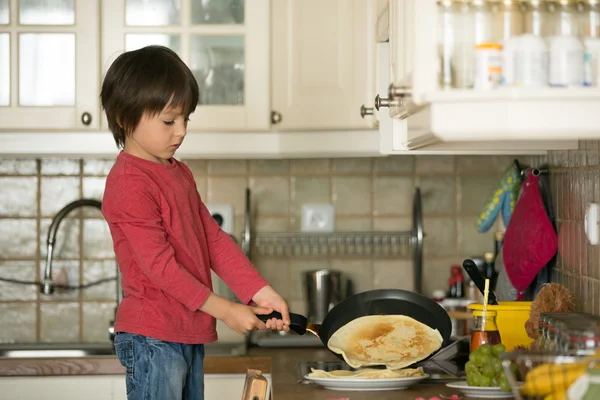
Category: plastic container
[511,319]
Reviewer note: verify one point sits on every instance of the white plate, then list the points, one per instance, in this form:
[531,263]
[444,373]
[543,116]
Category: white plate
[480,392]
[366,384]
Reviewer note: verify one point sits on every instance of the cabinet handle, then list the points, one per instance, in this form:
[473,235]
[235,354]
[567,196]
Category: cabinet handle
[275,117]
[86,118]
[383,102]
[365,111]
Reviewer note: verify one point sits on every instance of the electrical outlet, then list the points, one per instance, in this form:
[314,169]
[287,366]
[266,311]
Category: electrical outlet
[223,214]
[318,217]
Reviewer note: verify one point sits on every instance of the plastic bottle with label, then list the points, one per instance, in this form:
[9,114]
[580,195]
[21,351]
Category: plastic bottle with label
[591,42]
[530,50]
[565,49]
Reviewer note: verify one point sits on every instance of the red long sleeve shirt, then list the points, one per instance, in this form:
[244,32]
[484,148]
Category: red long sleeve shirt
[166,242]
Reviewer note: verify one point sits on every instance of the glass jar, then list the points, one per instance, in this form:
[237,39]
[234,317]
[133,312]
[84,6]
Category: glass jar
[464,42]
[509,21]
[484,30]
[485,329]
[446,24]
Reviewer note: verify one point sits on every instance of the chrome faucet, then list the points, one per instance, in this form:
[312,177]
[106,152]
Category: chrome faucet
[47,284]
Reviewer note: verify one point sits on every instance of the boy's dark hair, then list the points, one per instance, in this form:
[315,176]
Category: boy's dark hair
[145,81]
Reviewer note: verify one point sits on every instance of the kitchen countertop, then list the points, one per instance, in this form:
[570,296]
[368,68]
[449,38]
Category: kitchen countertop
[285,386]
[281,363]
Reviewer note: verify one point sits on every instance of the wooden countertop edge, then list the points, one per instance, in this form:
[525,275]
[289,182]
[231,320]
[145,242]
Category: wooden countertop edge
[112,366]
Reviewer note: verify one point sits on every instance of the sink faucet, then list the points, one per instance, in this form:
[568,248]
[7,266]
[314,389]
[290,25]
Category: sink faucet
[47,284]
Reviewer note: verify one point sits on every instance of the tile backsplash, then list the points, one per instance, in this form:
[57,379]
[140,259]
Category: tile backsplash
[368,194]
[575,182]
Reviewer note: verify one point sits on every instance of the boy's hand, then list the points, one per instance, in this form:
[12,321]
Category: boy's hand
[242,318]
[268,298]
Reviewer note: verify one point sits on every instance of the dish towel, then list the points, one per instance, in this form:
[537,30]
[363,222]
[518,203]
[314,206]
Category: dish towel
[503,200]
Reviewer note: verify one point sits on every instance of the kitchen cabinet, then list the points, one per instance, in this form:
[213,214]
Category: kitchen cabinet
[322,63]
[470,119]
[106,387]
[225,44]
[49,65]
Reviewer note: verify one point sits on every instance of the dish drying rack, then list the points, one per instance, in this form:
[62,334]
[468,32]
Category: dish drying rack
[340,244]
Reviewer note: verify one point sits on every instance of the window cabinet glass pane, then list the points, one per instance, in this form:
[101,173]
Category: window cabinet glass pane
[4,12]
[217,12]
[4,69]
[218,65]
[47,12]
[134,41]
[152,12]
[47,69]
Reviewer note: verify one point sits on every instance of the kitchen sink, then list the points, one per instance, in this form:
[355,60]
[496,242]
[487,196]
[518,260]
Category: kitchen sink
[79,350]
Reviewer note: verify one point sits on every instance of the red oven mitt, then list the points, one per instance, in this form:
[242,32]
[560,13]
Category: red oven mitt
[530,240]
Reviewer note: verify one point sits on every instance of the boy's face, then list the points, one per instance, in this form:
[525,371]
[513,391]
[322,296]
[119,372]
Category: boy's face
[157,138]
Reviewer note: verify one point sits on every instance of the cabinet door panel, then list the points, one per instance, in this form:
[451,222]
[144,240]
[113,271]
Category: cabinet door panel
[322,62]
[215,40]
[49,65]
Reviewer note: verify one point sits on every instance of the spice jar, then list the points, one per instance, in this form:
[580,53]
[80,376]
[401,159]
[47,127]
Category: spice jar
[485,329]
[565,49]
[591,42]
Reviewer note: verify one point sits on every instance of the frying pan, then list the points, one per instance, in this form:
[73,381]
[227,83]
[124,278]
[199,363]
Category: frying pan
[373,302]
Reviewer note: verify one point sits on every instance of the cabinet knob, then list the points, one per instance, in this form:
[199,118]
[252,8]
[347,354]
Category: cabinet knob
[383,102]
[86,118]
[275,117]
[365,111]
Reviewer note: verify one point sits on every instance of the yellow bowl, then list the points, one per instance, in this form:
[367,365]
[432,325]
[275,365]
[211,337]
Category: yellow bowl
[511,319]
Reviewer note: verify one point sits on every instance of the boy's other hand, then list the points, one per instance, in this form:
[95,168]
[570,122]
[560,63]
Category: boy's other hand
[242,318]
[268,298]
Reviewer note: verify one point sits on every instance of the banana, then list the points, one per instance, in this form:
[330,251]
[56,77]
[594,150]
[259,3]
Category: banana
[556,396]
[558,380]
[551,370]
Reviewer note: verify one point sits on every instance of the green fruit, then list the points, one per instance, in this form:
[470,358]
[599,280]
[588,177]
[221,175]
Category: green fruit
[504,385]
[485,349]
[485,381]
[498,349]
[470,367]
[488,370]
[494,382]
[470,380]
[497,364]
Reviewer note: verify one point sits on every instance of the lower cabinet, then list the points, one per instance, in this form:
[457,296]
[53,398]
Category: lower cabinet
[105,387]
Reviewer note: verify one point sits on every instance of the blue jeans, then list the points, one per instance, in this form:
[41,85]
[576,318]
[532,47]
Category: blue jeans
[160,370]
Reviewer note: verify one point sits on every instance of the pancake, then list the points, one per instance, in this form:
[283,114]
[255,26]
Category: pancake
[395,341]
[366,373]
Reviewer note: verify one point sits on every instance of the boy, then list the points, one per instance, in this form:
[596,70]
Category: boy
[165,240]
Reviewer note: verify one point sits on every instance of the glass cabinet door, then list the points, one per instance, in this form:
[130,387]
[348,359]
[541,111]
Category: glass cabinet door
[48,64]
[213,37]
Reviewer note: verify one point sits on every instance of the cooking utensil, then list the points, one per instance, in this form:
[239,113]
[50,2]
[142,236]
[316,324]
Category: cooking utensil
[324,289]
[373,302]
[479,280]
[505,291]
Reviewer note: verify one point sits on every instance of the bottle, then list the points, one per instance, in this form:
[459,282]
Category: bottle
[530,50]
[498,239]
[451,287]
[485,329]
[438,296]
[510,28]
[591,42]
[565,49]
[489,272]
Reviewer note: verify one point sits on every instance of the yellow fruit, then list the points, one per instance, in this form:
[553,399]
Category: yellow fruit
[551,370]
[556,396]
[551,378]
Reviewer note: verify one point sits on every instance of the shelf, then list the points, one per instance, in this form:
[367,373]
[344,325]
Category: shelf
[544,115]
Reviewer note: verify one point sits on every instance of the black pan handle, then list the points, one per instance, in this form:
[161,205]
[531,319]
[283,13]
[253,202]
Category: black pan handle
[479,280]
[298,322]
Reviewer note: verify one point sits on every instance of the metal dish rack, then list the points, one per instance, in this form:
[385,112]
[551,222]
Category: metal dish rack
[340,244]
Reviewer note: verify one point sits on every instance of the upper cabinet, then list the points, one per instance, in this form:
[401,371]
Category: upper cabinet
[49,65]
[322,64]
[225,43]
[494,71]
